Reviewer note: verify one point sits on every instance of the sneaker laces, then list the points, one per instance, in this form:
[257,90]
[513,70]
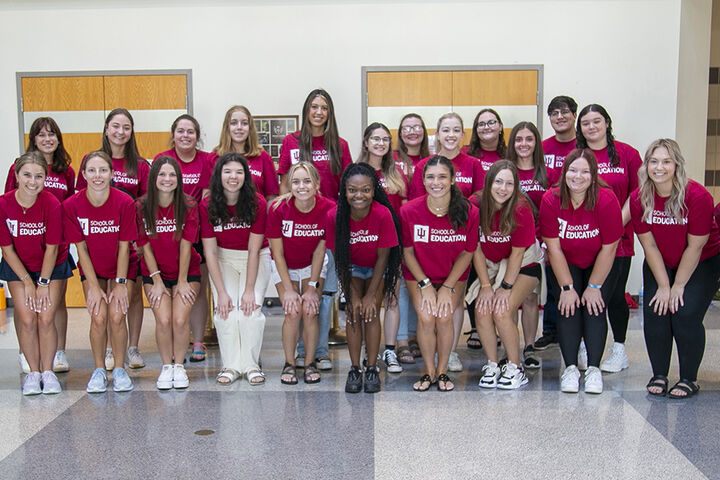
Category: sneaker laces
[390,357]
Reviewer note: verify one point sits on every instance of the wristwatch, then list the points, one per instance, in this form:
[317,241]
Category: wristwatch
[313,284]
[43,282]
[505,286]
[567,288]
[121,281]
[424,283]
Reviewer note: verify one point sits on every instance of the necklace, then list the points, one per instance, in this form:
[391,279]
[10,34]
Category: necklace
[437,211]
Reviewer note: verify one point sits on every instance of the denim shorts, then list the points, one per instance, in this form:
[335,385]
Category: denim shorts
[60,272]
[361,272]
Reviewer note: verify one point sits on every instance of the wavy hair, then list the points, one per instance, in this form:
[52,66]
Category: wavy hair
[330,135]
[475,149]
[252,146]
[488,206]
[459,207]
[581,142]
[402,149]
[130,153]
[343,265]
[393,178]
[538,157]
[151,200]
[247,204]
[675,205]
[61,159]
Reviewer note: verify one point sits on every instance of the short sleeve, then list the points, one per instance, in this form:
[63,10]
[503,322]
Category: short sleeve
[636,214]
[388,234]
[609,217]
[700,211]
[192,225]
[405,226]
[54,231]
[206,229]
[472,229]
[524,234]
[71,229]
[128,225]
[330,229]
[549,211]
[273,227]
[258,227]
[140,223]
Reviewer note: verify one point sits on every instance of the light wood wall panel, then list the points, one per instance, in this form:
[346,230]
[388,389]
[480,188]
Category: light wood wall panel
[495,87]
[409,88]
[152,143]
[62,93]
[145,92]
[78,145]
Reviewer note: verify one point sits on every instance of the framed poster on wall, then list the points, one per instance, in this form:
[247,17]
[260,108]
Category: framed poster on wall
[271,131]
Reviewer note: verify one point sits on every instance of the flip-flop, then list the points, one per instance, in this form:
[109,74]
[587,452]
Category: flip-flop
[199,352]
[424,379]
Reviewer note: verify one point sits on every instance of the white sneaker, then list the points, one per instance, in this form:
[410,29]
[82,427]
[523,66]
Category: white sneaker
[491,373]
[133,358]
[165,380]
[391,361]
[454,363]
[180,378]
[617,360]
[109,359]
[593,380]
[50,383]
[24,366]
[60,362]
[121,380]
[570,380]
[31,385]
[582,356]
[98,382]
[512,377]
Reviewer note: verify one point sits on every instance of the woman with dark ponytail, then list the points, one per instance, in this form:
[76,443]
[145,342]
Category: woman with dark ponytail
[364,234]
[441,234]
[618,165]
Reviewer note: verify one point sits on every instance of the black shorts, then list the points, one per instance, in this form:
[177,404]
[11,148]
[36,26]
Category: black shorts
[173,282]
[60,272]
[532,270]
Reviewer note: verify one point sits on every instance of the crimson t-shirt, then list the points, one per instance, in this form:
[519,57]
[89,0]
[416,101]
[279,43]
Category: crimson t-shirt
[195,174]
[487,158]
[396,199]
[262,171]
[135,186]
[376,230]
[671,236]
[329,182]
[300,232]
[469,176]
[497,246]
[582,232]
[555,153]
[101,228]
[164,246]
[233,235]
[529,185]
[414,159]
[62,185]
[436,243]
[29,232]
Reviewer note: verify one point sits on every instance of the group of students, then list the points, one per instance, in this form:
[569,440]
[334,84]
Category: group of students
[498,226]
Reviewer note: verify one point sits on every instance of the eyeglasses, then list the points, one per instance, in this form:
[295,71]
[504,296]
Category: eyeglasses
[556,113]
[489,123]
[380,139]
[412,128]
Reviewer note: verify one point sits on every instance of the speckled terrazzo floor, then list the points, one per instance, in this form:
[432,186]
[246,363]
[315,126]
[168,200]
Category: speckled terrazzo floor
[319,431]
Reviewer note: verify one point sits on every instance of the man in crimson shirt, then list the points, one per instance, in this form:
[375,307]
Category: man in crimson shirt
[562,111]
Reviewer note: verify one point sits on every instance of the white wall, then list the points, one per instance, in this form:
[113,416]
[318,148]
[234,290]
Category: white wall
[622,54]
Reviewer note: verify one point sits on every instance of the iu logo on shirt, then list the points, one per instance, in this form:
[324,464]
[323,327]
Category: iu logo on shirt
[84,225]
[562,227]
[12,226]
[287,228]
[421,233]
[294,156]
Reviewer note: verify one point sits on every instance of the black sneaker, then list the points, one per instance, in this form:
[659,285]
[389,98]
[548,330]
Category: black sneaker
[372,380]
[530,361]
[546,341]
[354,381]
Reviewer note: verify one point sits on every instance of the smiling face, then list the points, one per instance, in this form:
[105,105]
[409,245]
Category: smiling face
[318,112]
[661,168]
[302,186]
[359,191]
[502,187]
[378,142]
[98,174]
[46,141]
[232,177]
[488,127]
[239,127]
[167,180]
[562,119]
[185,135]
[449,134]
[437,181]
[578,177]
[594,127]
[31,179]
[525,144]
[118,130]
[411,132]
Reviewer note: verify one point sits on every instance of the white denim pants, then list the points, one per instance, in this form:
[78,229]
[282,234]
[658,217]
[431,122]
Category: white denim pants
[240,337]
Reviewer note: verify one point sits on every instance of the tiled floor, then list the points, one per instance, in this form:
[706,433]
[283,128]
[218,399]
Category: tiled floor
[319,431]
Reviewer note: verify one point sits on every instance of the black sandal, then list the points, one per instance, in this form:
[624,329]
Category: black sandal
[473,341]
[658,381]
[311,370]
[289,369]
[445,380]
[423,380]
[686,386]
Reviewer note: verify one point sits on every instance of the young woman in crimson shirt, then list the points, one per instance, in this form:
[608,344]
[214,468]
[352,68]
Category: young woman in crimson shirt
[363,234]
[673,219]
[130,174]
[440,234]
[581,224]
[45,137]
[487,141]
[296,228]
[232,226]
[377,152]
[196,168]
[618,164]
[167,220]
[35,266]
[100,221]
[507,230]
[239,135]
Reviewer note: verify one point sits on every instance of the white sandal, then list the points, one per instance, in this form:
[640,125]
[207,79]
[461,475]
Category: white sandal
[253,375]
[228,373]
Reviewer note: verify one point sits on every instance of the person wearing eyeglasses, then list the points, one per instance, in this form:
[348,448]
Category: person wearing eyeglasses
[562,111]
[487,142]
[412,143]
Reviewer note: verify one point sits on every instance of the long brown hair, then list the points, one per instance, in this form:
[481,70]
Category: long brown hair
[539,169]
[150,201]
[61,159]
[393,178]
[591,195]
[252,146]
[331,136]
[488,207]
[475,148]
[131,154]
[402,149]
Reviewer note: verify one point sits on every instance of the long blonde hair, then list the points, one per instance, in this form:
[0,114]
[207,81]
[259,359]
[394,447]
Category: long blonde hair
[252,147]
[312,173]
[393,179]
[675,205]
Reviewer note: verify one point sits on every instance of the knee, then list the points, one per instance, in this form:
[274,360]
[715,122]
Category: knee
[294,319]
[99,321]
